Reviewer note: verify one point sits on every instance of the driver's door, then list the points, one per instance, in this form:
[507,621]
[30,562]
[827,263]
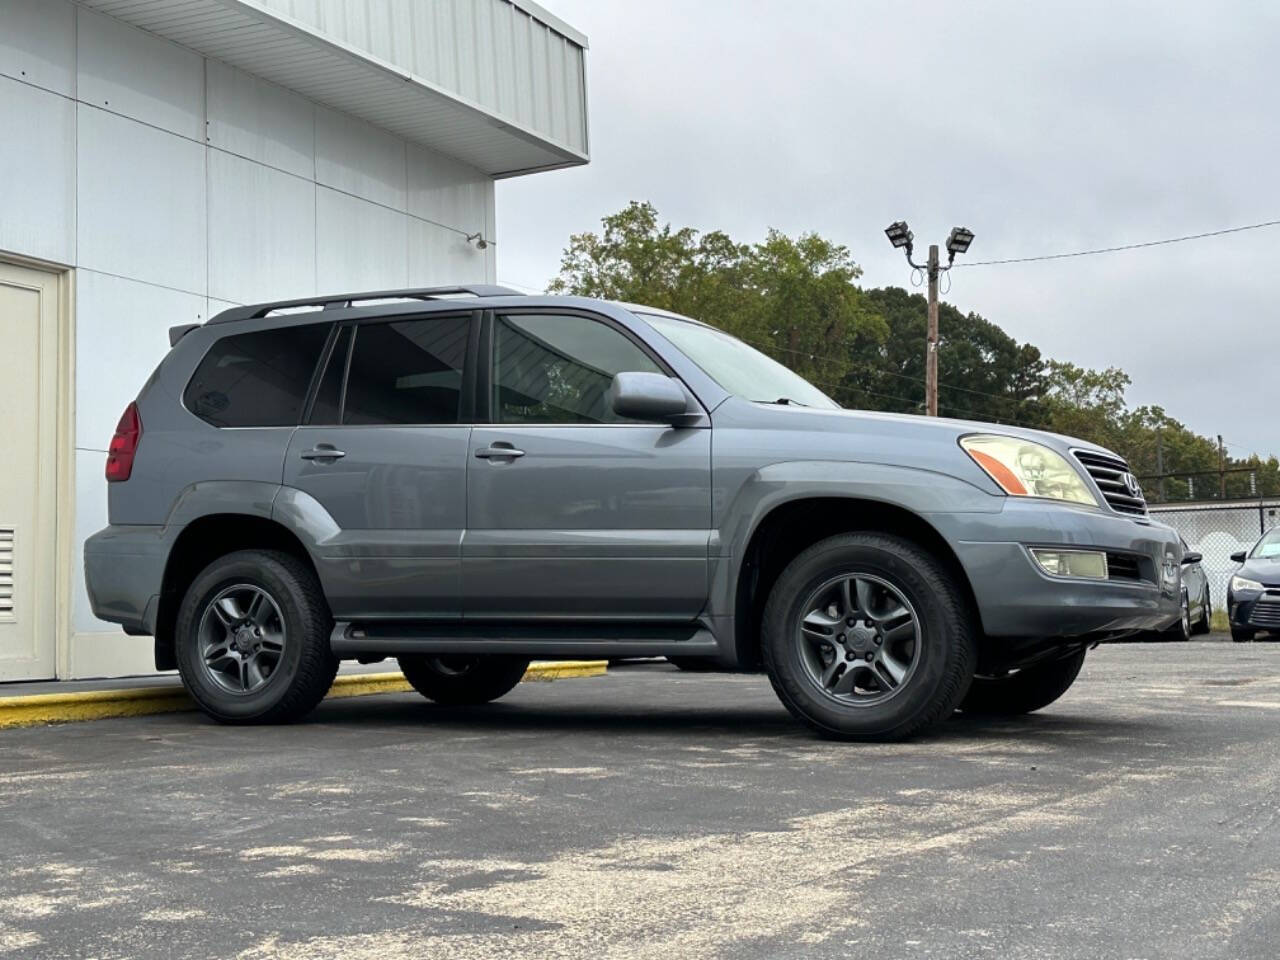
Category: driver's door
[572,511]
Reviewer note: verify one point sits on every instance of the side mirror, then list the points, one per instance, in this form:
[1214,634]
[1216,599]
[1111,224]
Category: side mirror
[1191,557]
[646,396]
[1238,556]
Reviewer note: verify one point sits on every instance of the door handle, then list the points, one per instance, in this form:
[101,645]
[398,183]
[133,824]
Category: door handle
[323,451]
[499,451]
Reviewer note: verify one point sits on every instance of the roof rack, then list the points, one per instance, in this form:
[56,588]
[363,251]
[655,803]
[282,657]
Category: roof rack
[342,301]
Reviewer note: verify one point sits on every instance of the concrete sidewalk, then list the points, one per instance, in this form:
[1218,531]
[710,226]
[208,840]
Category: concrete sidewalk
[68,701]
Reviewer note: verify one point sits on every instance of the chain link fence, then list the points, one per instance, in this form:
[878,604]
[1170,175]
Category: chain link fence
[1217,530]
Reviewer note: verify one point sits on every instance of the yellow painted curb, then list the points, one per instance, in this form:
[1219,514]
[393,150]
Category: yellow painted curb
[44,708]
[563,669]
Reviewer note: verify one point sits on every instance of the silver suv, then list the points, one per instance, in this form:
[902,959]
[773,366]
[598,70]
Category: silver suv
[467,478]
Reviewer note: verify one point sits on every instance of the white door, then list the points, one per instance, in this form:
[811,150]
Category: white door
[28,472]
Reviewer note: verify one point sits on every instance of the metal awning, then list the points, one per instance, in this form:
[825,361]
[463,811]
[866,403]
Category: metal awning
[286,51]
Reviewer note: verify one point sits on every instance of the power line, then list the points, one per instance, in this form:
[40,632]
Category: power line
[523,286]
[1127,246]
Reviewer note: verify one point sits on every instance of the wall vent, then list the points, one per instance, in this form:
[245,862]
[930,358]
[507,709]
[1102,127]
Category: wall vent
[6,574]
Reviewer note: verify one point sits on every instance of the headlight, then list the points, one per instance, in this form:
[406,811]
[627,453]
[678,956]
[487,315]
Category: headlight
[1245,585]
[1025,469]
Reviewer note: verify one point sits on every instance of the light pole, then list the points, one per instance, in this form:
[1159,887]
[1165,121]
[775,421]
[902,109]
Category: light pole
[900,236]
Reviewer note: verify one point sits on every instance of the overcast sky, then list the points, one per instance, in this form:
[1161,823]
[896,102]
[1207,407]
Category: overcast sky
[1043,127]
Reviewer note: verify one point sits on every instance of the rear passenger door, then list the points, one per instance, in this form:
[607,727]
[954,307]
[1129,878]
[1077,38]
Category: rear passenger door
[572,511]
[384,451]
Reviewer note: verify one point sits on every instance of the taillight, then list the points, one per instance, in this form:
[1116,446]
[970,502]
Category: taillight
[124,444]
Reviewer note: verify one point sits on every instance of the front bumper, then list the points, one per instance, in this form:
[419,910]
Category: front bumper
[1017,599]
[123,571]
[1255,611]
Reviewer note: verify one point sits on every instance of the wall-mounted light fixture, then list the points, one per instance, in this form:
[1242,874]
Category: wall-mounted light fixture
[478,239]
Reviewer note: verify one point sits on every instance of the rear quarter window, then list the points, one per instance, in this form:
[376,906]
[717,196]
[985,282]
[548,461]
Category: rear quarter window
[256,379]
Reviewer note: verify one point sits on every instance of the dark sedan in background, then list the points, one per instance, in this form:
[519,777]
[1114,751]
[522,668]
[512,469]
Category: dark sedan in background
[1197,607]
[1253,593]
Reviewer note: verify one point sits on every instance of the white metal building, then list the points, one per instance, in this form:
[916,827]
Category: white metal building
[164,159]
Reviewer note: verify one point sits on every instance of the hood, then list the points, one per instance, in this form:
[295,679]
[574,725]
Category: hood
[924,429]
[1266,570]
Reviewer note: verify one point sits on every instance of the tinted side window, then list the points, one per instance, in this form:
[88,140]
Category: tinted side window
[557,369]
[409,371]
[256,379]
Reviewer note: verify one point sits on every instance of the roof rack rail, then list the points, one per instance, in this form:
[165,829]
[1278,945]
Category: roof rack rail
[341,301]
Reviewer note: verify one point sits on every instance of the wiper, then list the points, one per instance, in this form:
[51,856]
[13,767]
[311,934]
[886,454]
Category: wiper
[784,402]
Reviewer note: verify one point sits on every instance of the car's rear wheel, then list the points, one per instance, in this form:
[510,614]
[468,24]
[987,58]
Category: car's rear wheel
[1023,691]
[1202,625]
[462,680]
[867,636]
[1182,629]
[252,638]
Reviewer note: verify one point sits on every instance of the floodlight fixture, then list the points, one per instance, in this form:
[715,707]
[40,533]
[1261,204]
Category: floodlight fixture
[959,241]
[899,234]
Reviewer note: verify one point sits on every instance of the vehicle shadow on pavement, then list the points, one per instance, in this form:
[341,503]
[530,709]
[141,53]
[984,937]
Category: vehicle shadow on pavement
[727,723]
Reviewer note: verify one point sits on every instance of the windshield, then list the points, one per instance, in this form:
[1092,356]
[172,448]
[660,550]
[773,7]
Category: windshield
[740,369]
[1269,545]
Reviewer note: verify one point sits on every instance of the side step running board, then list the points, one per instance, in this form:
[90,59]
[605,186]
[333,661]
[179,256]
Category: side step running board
[549,641]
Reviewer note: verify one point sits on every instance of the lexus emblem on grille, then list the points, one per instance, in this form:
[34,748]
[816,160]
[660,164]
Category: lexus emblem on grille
[1131,484]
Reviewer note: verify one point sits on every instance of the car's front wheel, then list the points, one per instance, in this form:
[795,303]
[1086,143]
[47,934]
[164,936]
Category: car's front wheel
[1023,691]
[462,680]
[866,636]
[252,638]
[1242,634]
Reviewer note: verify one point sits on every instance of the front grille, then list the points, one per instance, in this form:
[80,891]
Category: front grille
[1124,566]
[1266,613]
[1109,474]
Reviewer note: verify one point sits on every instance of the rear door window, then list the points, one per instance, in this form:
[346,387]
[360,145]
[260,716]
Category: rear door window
[257,379]
[407,372]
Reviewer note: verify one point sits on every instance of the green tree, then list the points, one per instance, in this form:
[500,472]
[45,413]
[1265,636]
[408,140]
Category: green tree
[794,298]
[983,373]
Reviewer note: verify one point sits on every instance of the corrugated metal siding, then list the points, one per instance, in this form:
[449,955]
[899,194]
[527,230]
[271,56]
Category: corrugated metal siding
[490,52]
[499,89]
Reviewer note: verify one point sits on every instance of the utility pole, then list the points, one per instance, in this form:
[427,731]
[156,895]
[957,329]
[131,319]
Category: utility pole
[958,242]
[931,343]
[1222,470]
[1160,459]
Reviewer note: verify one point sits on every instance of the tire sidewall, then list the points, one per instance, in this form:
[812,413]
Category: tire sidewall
[268,575]
[782,649]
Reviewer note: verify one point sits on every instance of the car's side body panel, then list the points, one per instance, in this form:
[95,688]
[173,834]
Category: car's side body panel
[398,501]
[606,521]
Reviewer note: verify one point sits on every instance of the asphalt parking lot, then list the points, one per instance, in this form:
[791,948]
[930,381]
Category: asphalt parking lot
[651,813]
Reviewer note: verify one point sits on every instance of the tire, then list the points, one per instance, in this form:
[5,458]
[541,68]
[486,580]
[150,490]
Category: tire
[294,665]
[1024,691]
[460,681]
[890,578]
[692,664]
[1242,634]
[1182,630]
[1206,614]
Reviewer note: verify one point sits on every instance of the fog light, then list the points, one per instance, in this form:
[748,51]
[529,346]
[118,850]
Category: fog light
[1090,564]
